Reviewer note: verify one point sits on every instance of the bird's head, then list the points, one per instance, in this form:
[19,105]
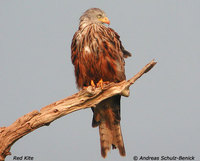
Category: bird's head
[94,15]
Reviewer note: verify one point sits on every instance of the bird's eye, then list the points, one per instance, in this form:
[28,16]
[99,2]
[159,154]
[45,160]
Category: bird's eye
[99,16]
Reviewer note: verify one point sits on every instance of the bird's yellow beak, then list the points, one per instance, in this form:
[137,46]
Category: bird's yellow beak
[105,20]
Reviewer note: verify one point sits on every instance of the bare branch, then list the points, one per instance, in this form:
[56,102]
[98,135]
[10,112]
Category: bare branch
[86,98]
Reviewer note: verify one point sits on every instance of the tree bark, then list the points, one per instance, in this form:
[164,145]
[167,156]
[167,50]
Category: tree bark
[88,97]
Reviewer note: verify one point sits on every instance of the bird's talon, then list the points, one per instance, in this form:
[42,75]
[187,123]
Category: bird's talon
[107,82]
[84,87]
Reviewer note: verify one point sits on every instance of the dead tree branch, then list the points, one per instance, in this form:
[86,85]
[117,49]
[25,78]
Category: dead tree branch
[88,97]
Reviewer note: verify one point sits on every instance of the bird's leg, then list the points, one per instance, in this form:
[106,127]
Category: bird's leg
[101,83]
[92,83]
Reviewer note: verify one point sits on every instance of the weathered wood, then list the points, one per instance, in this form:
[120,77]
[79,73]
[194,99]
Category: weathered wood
[88,97]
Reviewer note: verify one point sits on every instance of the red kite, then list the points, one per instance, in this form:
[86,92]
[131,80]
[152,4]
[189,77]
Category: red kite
[98,56]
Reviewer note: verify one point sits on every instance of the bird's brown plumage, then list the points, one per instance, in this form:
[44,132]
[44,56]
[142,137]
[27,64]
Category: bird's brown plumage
[97,53]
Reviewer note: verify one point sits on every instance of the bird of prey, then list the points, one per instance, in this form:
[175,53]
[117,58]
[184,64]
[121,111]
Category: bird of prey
[98,57]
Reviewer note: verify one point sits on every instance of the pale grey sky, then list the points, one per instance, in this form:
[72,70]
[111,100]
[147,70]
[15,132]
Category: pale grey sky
[161,116]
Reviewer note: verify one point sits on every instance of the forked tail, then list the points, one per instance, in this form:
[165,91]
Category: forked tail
[110,137]
[107,117]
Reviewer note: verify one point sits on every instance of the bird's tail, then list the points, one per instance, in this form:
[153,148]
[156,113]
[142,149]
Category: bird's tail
[110,137]
[107,117]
